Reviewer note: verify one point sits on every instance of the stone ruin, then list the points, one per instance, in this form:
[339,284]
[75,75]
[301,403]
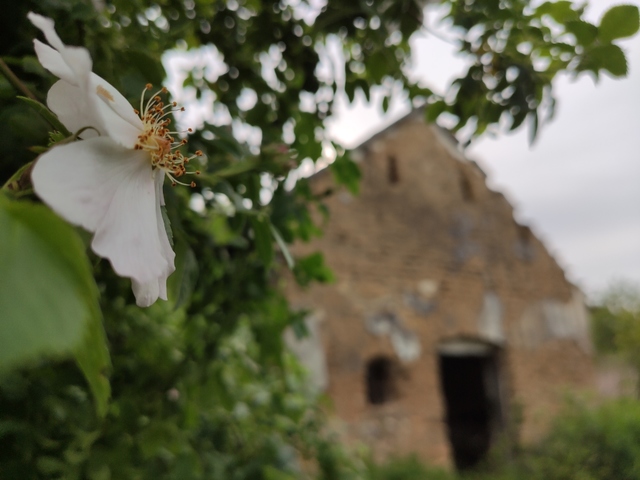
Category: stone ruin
[450,328]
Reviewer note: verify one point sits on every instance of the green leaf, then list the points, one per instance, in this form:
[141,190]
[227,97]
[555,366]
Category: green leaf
[48,115]
[272,473]
[222,234]
[619,22]
[433,110]
[283,246]
[378,65]
[236,168]
[347,173]
[262,238]
[560,11]
[305,143]
[148,66]
[45,278]
[49,299]
[584,32]
[364,87]
[50,465]
[183,280]
[385,104]
[92,356]
[167,224]
[312,268]
[350,90]
[605,57]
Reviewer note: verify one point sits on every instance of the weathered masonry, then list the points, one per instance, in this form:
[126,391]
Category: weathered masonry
[448,321]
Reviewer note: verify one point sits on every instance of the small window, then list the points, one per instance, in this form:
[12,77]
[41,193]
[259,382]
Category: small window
[466,187]
[380,381]
[393,175]
[525,246]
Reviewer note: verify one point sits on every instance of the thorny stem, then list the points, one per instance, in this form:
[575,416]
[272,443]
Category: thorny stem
[15,81]
[21,180]
[76,135]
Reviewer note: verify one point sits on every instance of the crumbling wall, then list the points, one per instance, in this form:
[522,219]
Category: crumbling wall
[426,254]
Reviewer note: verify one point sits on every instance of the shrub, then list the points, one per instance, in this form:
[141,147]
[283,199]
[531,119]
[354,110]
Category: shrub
[589,444]
[407,468]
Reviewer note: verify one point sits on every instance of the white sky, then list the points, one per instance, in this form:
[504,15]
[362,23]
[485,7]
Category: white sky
[578,187]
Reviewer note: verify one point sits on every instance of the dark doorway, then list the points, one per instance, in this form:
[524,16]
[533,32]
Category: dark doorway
[470,383]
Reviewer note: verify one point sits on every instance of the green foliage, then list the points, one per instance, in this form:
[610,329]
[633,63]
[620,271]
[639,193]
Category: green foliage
[519,50]
[346,172]
[604,330]
[92,356]
[262,238]
[49,297]
[584,443]
[600,54]
[619,22]
[406,468]
[605,57]
[615,318]
[615,323]
[312,269]
[603,443]
[201,386]
[47,115]
[191,399]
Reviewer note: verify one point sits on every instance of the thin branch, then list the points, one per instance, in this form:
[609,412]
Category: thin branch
[422,22]
[429,31]
[15,81]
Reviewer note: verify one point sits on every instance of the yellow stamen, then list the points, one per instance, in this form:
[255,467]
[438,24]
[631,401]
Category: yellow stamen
[157,140]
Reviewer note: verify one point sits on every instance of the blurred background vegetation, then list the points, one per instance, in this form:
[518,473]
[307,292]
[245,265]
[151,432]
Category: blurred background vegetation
[585,442]
[615,322]
[201,387]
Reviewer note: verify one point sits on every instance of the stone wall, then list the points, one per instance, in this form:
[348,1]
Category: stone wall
[426,255]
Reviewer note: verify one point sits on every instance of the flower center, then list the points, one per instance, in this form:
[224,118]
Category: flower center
[157,140]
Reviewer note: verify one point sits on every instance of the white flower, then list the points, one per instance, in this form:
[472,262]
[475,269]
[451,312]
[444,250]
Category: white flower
[110,183]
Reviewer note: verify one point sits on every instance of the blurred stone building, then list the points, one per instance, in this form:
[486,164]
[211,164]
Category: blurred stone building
[449,326]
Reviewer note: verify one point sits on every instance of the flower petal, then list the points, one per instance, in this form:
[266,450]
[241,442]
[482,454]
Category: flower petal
[109,190]
[147,293]
[77,110]
[96,103]
[162,232]
[117,116]
[77,59]
[46,26]
[53,61]
[68,103]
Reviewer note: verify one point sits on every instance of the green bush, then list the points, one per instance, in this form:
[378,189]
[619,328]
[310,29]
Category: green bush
[407,468]
[584,443]
[590,444]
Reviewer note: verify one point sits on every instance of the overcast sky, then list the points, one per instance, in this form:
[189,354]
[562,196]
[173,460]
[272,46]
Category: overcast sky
[578,187]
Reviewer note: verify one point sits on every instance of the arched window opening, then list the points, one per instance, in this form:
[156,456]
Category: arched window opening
[466,188]
[380,379]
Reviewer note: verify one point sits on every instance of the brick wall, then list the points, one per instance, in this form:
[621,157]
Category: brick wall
[425,255]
